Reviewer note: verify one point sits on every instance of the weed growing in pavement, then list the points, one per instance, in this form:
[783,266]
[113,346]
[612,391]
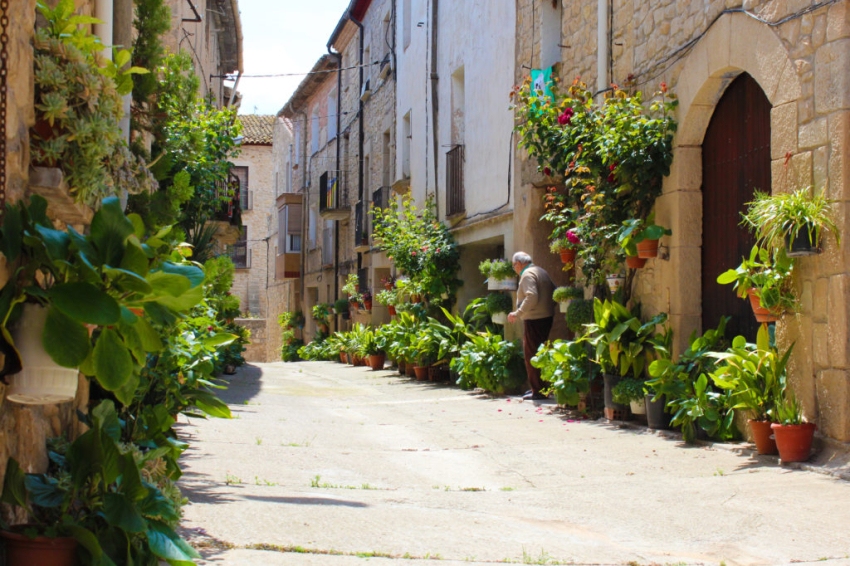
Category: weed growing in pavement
[259,441]
[230,479]
[506,489]
[719,472]
[316,482]
[544,558]
[258,481]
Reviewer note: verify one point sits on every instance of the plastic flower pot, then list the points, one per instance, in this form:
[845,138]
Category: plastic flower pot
[501,284]
[500,318]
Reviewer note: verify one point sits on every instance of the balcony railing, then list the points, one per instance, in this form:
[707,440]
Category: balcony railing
[333,199]
[240,255]
[381,197]
[455,194]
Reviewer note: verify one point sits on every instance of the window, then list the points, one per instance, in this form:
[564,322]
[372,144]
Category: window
[240,173]
[550,34]
[332,115]
[386,164]
[239,252]
[405,152]
[289,229]
[312,227]
[314,131]
[407,23]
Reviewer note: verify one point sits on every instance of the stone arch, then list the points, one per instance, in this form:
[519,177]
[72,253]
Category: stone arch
[736,43]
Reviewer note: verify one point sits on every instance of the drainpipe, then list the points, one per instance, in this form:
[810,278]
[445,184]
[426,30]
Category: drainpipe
[603,81]
[337,172]
[360,129]
[103,10]
[435,104]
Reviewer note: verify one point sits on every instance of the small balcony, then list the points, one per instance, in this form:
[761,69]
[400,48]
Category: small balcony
[240,255]
[362,234]
[333,199]
[455,193]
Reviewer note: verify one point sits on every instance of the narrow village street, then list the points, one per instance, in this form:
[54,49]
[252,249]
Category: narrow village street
[333,465]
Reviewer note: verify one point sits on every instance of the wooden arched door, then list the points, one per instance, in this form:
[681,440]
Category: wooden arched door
[735,163]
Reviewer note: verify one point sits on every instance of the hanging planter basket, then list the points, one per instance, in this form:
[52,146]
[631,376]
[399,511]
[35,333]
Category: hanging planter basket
[762,314]
[500,318]
[42,381]
[501,284]
[391,309]
[568,256]
[647,248]
[635,262]
[615,282]
[804,244]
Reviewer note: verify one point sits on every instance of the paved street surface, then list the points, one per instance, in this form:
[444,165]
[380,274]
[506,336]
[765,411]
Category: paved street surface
[331,465]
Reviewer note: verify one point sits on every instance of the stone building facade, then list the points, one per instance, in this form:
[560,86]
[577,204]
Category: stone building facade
[796,53]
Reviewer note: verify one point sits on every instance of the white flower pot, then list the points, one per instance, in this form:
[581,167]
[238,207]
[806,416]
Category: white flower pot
[615,282]
[41,381]
[499,318]
[501,284]
[638,407]
[564,305]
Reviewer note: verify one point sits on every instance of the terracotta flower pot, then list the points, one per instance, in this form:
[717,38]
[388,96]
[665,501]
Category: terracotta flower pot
[568,256]
[647,248]
[763,436]
[635,262]
[391,310]
[376,361]
[24,551]
[762,314]
[421,373]
[401,367]
[367,304]
[409,369]
[794,442]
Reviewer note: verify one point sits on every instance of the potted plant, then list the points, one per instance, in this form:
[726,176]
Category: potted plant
[566,364]
[639,238]
[488,361]
[615,282]
[632,392]
[655,400]
[756,375]
[388,281]
[94,491]
[321,313]
[498,306]
[566,246]
[793,434]
[565,295]
[351,288]
[372,348]
[764,277]
[794,220]
[341,307]
[388,298]
[579,315]
[366,296]
[500,274]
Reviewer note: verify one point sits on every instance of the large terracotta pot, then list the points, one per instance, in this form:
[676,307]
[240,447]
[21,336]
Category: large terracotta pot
[763,437]
[39,551]
[794,441]
[421,373]
[762,314]
[376,361]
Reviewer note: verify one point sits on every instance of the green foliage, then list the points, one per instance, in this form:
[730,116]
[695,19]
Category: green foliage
[776,217]
[579,315]
[568,366]
[78,108]
[613,157]
[628,389]
[153,19]
[289,322]
[754,373]
[352,288]
[491,363]
[621,340]
[562,294]
[341,306]
[321,312]
[635,231]
[497,269]
[769,274]
[498,302]
[319,350]
[421,247]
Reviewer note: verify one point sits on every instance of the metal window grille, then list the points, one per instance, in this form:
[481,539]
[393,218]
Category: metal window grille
[455,194]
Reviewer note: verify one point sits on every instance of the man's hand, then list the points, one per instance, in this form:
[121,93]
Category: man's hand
[512,316]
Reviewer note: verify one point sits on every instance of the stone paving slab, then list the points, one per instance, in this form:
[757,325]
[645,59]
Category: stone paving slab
[332,460]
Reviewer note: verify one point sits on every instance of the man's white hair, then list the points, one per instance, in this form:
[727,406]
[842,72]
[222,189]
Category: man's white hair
[521,257]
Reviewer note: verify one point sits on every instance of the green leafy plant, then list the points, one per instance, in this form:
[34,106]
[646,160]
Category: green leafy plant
[779,218]
[568,366]
[498,302]
[621,340]
[562,294]
[788,410]
[387,297]
[754,373]
[491,363]
[628,390]
[95,491]
[579,315]
[497,269]
[352,288]
[635,231]
[341,306]
[769,274]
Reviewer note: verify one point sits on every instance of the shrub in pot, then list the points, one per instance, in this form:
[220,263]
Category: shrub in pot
[568,366]
[565,295]
[498,306]
[766,278]
[491,363]
[500,274]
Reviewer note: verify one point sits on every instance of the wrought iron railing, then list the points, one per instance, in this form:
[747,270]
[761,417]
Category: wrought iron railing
[361,225]
[455,194]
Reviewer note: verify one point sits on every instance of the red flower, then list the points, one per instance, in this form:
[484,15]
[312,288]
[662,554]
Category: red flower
[567,117]
[663,87]
[547,171]
[209,328]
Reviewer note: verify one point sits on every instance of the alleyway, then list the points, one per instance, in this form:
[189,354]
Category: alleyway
[330,465]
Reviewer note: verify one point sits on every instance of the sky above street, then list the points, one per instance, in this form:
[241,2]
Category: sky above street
[282,36]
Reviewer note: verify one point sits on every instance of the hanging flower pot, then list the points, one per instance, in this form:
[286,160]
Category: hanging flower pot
[763,436]
[564,306]
[41,381]
[500,318]
[794,442]
[762,314]
[391,310]
[568,256]
[803,244]
[509,284]
[647,248]
[367,304]
[635,262]
[615,282]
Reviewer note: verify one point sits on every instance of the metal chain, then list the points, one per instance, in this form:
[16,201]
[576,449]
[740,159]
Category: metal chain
[4,59]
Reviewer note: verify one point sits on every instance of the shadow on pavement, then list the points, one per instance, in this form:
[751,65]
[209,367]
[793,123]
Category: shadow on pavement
[242,386]
[308,501]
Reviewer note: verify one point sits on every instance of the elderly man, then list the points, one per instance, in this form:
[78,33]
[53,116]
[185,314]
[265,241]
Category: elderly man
[536,308]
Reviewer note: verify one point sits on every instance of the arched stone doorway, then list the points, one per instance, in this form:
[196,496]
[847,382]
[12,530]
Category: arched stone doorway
[735,164]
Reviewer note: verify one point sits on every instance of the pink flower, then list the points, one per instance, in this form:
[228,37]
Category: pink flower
[572,237]
[567,117]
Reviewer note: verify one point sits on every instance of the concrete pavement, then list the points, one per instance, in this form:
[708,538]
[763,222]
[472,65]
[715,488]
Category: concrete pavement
[331,465]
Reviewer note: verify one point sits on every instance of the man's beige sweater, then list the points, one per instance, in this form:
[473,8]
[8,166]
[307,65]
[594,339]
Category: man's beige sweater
[534,295]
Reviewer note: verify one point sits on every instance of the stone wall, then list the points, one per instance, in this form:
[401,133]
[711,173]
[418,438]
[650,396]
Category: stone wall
[802,66]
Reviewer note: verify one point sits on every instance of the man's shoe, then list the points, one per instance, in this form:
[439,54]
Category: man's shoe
[528,395]
[538,397]
[529,392]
